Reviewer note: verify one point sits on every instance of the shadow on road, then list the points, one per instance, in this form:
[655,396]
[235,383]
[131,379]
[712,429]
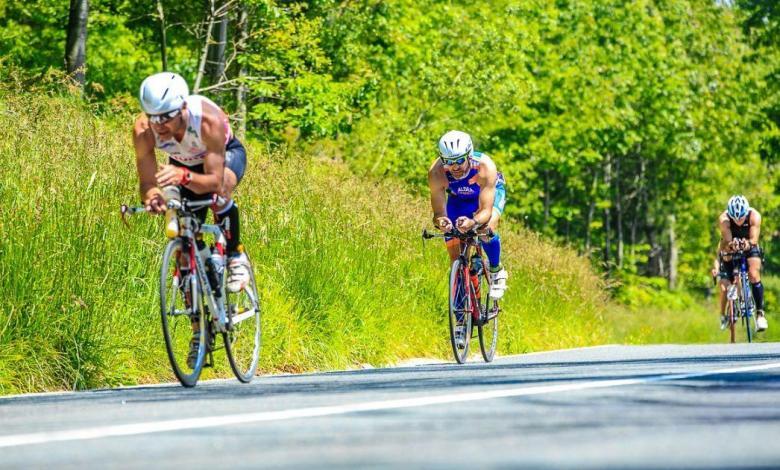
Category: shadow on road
[451,377]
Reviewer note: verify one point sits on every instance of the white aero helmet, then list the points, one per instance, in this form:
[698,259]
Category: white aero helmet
[455,144]
[163,92]
[737,207]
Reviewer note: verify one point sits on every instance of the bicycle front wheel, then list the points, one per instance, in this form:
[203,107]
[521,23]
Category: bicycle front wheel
[180,308]
[242,340]
[460,311]
[731,317]
[488,326]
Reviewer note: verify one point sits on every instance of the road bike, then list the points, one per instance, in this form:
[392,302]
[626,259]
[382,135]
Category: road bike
[470,303]
[740,305]
[195,304]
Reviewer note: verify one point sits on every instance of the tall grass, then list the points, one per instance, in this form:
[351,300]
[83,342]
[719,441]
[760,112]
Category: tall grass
[345,276]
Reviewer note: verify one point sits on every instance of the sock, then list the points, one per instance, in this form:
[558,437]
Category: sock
[758,294]
[233,236]
[492,249]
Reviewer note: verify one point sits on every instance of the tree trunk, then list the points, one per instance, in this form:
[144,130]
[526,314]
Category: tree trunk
[672,253]
[163,36]
[546,200]
[607,213]
[76,43]
[591,211]
[205,53]
[618,214]
[243,36]
[216,61]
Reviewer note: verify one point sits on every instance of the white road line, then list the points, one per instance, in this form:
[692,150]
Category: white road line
[214,421]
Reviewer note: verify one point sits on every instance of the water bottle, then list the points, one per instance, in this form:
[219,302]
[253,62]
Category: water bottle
[476,265]
[476,269]
[217,263]
[171,220]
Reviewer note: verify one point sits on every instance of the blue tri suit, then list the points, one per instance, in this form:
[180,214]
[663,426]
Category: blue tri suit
[463,194]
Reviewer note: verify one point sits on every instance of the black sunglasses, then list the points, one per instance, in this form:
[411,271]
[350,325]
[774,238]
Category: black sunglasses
[164,117]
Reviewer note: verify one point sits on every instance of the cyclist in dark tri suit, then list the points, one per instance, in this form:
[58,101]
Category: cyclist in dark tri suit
[740,228]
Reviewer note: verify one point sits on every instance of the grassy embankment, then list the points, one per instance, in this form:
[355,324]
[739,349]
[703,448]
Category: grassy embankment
[646,312]
[346,279]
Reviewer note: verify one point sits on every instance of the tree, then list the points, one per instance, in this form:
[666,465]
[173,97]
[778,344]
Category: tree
[76,45]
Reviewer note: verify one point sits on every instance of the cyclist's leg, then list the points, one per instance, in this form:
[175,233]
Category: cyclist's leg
[754,274]
[238,263]
[492,246]
[235,165]
[724,281]
[756,287]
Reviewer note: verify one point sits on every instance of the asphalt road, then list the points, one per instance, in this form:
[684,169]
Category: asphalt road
[715,406]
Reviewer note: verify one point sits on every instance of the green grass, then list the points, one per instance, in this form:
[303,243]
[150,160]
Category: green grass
[345,276]
[650,314]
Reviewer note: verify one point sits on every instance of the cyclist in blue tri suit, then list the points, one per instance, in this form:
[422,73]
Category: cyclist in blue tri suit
[740,228]
[466,192]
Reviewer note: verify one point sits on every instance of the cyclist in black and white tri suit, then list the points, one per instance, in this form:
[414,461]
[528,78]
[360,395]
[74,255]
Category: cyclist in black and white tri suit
[740,227]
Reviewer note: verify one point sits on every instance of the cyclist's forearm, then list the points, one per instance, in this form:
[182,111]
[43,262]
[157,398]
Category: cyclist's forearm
[203,183]
[148,190]
[482,216]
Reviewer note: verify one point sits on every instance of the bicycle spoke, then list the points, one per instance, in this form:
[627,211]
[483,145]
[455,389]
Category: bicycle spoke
[460,319]
[177,317]
[243,338]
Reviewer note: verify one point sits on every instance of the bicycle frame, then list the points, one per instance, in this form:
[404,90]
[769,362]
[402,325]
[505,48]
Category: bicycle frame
[469,243]
[740,294]
[192,229]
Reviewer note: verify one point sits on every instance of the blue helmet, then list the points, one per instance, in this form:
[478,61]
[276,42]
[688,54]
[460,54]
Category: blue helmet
[737,207]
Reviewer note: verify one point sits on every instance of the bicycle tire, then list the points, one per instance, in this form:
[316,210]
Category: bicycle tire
[243,339]
[731,318]
[488,327]
[177,322]
[749,311]
[459,300]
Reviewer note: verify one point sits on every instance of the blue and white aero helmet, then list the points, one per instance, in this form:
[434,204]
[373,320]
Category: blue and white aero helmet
[455,144]
[737,207]
[163,92]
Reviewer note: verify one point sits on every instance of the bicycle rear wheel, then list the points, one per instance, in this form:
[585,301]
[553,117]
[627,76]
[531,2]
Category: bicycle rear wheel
[242,340]
[180,306]
[731,317]
[750,314]
[460,311]
[488,326]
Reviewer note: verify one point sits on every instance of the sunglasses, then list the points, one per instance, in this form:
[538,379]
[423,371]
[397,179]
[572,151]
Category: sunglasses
[453,161]
[163,118]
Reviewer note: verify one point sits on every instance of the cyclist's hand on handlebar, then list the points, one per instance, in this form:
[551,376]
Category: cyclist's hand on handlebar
[464,224]
[444,224]
[169,175]
[155,204]
[739,244]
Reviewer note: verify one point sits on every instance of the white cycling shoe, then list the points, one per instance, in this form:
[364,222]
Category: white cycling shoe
[761,324]
[238,273]
[498,284]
